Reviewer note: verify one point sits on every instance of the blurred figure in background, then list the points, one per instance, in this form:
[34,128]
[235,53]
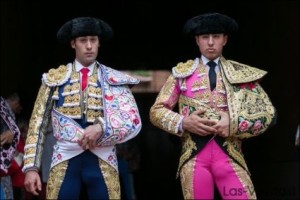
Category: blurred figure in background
[15,170]
[9,138]
[128,162]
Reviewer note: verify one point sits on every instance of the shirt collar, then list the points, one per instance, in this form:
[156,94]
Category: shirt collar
[206,60]
[79,66]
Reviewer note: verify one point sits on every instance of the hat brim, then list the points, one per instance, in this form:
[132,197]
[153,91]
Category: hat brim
[210,23]
[84,26]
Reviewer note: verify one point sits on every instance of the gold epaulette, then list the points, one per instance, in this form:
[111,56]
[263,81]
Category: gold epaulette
[240,73]
[182,70]
[58,76]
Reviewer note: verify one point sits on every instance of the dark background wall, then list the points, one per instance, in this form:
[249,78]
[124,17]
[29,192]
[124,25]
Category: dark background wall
[149,36]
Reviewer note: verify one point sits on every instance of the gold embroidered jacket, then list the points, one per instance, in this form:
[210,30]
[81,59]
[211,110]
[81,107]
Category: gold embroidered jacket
[238,92]
[107,96]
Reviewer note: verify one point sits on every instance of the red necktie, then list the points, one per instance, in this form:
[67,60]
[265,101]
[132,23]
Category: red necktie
[84,72]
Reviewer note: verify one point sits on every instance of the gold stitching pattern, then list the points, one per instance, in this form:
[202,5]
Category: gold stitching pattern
[37,128]
[245,180]
[187,148]
[111,178]
[186,179]
[56,177]
[161,116]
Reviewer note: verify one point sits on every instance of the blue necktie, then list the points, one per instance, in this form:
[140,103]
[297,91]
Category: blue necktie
[212,74]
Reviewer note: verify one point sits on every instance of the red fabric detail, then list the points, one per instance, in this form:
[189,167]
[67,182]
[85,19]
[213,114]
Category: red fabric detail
[15,171]
[84,72]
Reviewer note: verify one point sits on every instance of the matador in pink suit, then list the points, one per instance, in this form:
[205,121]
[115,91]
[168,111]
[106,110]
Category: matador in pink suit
[221,103]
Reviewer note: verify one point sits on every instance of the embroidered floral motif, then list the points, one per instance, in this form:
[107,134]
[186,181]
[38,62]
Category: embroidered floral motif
[117,77]
[251,126]
[65,128]
[247,86]
[244,125]
[256,127]
[185,110]
[121,121]
[56,157]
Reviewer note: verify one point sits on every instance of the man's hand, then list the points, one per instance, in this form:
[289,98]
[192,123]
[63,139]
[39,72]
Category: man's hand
[32,182]
[91,134]
[197,125]
[6,137]
[222,126]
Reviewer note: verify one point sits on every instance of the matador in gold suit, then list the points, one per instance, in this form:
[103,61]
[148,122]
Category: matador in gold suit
[91,109]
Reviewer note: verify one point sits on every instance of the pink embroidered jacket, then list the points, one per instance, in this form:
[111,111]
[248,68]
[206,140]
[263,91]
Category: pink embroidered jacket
[237,92]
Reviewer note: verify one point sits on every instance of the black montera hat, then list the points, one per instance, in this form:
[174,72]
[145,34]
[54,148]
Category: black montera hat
[210,23]
[83,26]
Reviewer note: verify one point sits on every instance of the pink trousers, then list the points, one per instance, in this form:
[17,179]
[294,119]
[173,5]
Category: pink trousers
[212,166]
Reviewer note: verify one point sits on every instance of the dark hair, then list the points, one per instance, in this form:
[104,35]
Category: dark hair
[13,97]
